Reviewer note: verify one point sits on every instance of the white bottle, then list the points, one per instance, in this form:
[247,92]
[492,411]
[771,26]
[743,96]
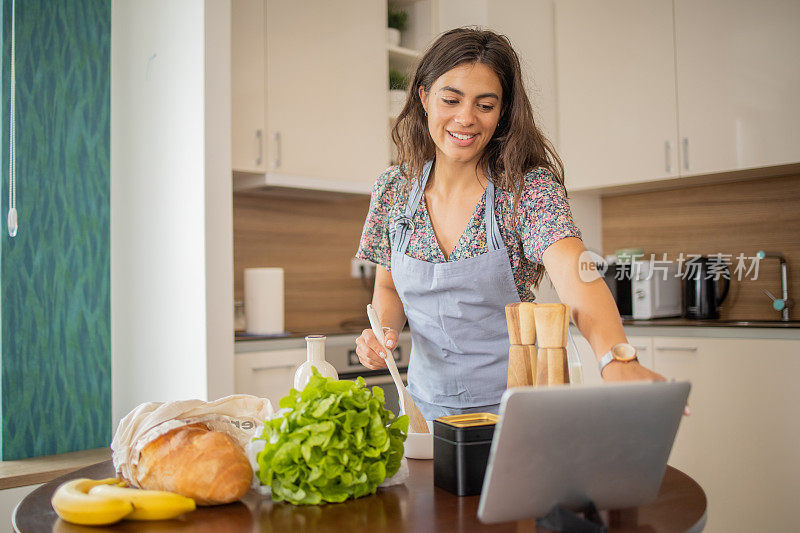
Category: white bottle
[315,350]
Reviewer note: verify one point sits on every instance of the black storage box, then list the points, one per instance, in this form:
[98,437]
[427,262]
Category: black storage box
[461,445]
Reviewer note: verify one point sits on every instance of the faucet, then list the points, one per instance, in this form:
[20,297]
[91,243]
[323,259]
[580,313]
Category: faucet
[784,303]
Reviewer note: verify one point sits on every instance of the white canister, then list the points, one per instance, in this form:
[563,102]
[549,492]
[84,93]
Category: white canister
[393,36]
[397,100]
[263,300]
[315,358]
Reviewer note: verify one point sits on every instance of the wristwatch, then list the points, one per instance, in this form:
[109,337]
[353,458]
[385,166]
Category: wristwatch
[623,352]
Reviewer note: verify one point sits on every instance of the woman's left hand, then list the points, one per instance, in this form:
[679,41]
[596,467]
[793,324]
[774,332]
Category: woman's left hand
[633,371]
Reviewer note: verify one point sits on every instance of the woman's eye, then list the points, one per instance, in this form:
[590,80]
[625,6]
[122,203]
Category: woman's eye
[487,107]
[446,101]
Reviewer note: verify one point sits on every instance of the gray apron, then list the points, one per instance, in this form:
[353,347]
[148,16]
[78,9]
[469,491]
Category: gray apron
[456,312]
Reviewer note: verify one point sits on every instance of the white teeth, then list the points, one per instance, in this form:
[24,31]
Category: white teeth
[462,137]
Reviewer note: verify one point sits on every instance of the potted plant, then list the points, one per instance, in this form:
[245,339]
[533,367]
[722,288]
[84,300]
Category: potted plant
[398,85]
[398,18]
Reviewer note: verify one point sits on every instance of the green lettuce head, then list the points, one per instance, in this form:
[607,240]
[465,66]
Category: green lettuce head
[330,442]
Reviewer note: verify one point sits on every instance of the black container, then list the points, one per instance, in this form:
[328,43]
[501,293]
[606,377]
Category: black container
[619,278]
[461,445]
[700,295]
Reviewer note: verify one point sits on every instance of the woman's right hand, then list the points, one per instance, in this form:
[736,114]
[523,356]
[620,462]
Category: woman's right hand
[369,349]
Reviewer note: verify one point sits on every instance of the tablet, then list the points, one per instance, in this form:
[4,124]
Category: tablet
[571,445]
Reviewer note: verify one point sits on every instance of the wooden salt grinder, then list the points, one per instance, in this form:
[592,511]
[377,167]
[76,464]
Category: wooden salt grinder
[552,323]
[522,353]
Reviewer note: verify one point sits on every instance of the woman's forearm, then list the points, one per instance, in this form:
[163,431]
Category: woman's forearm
[591,305]
[597,317]
[387,302]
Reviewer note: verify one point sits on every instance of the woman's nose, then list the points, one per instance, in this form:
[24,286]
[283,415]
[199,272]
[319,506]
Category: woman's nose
[465,117]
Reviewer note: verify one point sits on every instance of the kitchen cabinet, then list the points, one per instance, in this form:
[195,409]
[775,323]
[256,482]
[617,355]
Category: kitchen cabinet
[741,440]
[267,374]
[646,95]
[738,80]
[325,97]
[248,86]
[615,66]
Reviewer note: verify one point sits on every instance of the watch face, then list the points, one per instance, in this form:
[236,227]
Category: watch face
[623,352]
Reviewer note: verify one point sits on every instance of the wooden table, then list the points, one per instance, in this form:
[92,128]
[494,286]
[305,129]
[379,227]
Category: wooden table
[415,506]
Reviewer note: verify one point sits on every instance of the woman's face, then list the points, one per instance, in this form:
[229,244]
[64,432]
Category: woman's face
[463,109]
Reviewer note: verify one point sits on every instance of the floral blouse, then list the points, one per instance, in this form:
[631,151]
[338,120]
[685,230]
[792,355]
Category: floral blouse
[543,217]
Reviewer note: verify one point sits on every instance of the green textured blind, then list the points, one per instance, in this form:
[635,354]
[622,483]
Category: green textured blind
[55,349]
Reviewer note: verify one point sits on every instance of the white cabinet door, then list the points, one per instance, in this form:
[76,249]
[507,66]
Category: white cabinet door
[615,64]
[327,79]
[248,85]
[742,439]
[267,374]
[738,77]
[644,350]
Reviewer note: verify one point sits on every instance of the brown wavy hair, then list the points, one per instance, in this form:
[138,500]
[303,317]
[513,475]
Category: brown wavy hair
[517,145]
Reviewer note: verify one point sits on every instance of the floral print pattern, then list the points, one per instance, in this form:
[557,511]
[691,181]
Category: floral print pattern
[543,217]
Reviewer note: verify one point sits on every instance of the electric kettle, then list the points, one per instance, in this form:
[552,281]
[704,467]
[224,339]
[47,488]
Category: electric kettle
[701,300]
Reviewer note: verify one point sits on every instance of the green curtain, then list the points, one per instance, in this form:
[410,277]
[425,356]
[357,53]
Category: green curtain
[55,349]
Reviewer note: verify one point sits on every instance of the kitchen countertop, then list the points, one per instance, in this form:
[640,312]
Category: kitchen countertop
[671,322]
[714,323]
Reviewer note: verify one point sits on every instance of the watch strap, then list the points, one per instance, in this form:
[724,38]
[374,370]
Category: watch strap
[604,361]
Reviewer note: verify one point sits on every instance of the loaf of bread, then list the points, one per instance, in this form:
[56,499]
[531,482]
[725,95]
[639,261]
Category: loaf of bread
[193,461]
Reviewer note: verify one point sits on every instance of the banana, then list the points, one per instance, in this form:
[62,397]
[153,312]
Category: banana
[73,503]
[147,504]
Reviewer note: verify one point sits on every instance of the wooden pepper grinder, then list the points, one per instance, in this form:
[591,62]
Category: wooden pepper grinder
[552,327]
[522,353]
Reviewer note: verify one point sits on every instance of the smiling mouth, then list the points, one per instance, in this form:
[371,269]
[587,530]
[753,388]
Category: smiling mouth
[460,136]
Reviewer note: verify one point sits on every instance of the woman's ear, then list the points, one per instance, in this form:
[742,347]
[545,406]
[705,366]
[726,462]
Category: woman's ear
[423,98]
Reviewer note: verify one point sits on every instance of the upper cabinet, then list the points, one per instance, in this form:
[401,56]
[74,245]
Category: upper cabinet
[249,85]
[659,89]
[616,91]
[738,81]
[324,99]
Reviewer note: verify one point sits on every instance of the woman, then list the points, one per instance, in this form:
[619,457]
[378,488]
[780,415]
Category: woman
[471,156]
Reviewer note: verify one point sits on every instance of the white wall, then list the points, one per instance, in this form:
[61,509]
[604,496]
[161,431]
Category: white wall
[171,229]
[219,201]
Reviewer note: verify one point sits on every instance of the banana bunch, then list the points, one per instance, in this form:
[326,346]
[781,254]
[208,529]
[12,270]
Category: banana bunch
[93,502]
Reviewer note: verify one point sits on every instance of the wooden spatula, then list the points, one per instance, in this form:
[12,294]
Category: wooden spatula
[416,421]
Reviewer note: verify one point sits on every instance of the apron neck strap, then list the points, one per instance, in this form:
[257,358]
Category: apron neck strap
[494,239]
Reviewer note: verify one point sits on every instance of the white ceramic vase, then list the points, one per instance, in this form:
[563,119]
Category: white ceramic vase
[393,36]
[397,99]
[315,353]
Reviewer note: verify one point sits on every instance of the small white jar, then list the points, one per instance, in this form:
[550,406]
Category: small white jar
[315,353]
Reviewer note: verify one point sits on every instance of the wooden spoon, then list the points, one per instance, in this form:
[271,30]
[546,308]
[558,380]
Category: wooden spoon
[417,422]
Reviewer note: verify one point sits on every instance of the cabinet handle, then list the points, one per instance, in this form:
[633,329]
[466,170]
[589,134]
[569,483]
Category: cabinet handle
[260,368]
[686,153]
[260,138]
[667,165]
[676,348]
[277,161]
[640,348]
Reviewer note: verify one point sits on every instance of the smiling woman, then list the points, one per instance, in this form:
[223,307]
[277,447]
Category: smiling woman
[468,222]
